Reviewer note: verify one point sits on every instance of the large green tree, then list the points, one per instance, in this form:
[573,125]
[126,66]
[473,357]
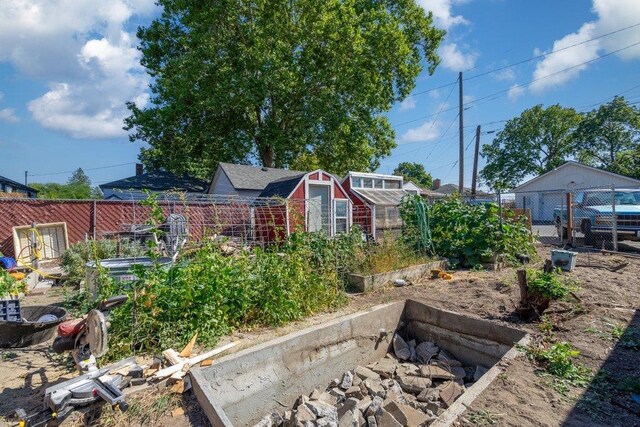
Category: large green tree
[533,143]
[415,173]
[609,137]
[298,82]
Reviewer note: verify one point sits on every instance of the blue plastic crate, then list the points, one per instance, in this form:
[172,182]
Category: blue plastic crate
[10,311]
[565,260]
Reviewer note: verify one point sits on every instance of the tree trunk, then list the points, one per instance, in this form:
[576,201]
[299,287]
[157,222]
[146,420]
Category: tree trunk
[266,155]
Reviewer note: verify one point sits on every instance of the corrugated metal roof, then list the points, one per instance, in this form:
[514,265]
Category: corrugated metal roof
[381,197]
[245,177]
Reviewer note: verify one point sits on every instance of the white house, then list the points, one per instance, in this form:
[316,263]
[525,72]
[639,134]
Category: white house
[543,193]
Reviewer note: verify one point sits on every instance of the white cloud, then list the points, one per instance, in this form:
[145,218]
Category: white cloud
[454,59]
[428,131]
[408,103]
[515,92]
[505,75]
[8,115]
[81,50]
[442,14]
[612,15]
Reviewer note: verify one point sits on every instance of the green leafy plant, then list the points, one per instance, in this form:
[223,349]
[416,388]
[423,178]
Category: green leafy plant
[553,285]
[9,285]
[557,361]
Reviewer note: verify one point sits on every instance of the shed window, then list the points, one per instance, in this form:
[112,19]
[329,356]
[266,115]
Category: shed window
[377,183]
[356,182]
[391,184]
[341,216]
[367,183]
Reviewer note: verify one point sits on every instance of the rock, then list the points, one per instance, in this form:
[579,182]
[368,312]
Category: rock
[338,394]
[371,421]
[405,414]
[356,380]
[350,404]
[425,351]
[304,414]
[267,421]
[327,398]
[335,382]
[366,373]
[480,371]
[434,407]
[401,348]
[445,357]
[300,400]
[363,405]
[375,407]
[429,395]
[395,393]
[322,410]
[458,372]
[387,383]
[287,419]
[400,282]
[449,392]
[347,380]
[354,392]
[326,422]
[436,372]
[385,368]
[375,388]
[412,384]
[408,369]
[385,419]
[349,419]
[315,394]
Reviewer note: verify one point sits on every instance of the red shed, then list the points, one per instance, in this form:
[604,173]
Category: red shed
[313,201]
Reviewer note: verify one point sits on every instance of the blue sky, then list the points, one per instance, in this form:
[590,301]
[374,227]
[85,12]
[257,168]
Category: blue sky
[68,67]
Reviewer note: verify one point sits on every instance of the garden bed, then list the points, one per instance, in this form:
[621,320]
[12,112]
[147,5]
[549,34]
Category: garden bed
[370,282]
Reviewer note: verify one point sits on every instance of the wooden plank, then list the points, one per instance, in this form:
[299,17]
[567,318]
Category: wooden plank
[172,356]
[167,372]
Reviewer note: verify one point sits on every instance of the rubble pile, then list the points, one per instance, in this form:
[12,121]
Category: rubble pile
[410,387]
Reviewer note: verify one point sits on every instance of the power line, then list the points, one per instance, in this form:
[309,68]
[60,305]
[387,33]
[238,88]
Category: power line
[89,169]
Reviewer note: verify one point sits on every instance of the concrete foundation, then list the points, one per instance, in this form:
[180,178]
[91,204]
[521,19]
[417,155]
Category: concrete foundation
[367,283]
[239,389]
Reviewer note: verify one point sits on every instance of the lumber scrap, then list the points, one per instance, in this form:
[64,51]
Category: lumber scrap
[185,364]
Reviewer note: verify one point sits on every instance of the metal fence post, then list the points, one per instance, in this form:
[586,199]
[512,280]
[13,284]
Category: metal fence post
[561,232]
[614,218]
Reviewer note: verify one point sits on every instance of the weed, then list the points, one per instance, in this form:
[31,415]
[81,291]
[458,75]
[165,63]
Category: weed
[8,355]
[557,361]
[483,418]
[553,285]
[546,327]
[77,303]
[617,330]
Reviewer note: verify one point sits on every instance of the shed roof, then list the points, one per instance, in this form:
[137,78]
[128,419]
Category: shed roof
[246,177]
[281,187]
[17,184]
[159,180]
[381,197]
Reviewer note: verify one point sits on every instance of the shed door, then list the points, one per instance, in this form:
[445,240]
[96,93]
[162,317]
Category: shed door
[318,208]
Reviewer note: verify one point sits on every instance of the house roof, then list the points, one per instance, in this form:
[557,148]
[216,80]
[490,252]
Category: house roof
[17,184]
[245,177]
[581,165]
[159,180]
[281,187]
[381,197]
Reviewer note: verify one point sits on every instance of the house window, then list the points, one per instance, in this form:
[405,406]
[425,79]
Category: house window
[377,183]
[391,184]
[367,183]
[341,216]
[356,182]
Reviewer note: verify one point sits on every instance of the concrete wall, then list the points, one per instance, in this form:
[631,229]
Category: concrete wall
[367,283]
[241,388]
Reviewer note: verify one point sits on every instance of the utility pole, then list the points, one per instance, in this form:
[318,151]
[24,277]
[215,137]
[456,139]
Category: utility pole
[474,178]
[460,131]
[26,173]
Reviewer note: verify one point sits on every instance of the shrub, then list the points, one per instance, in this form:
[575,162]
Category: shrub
[213,294]
[473,234]
[74,259]
[552,285]
[557,360]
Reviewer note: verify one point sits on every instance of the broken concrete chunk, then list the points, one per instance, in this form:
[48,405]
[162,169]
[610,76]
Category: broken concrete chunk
[315,394]
[387,383]
[354,392]
[267,421]
[429,395]
[412,384]
[374,407]
[363,405]
[395,393]
[405,414]
[401,348]
[300,400]
[374,388]
[356,380]
[425,351]
[323,410]
[347,380]
[337,393]
[447,358]
[326,422]
[350,404]
[480,371]
[327,398]
[371,421]
[385,419]
[349,419]
[449,392]
[304,414]
[366,373]
[436,372]
[385,368]
[408,369]
[458,372]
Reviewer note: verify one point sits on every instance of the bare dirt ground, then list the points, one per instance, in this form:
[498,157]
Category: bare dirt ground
[604,326]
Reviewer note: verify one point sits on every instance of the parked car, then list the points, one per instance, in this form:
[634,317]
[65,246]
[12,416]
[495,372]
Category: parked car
[593,214]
